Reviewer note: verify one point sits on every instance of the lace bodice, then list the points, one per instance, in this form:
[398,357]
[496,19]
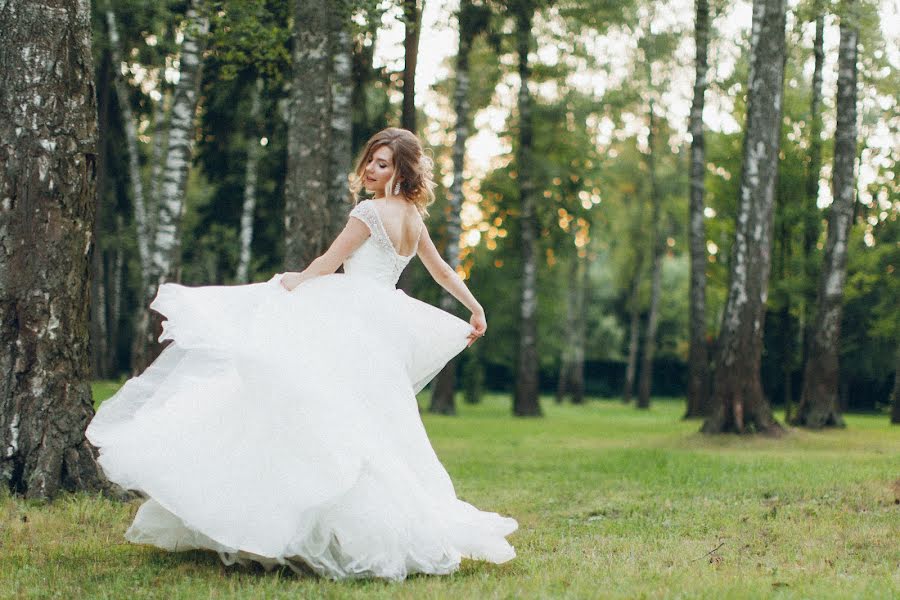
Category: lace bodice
[376,258]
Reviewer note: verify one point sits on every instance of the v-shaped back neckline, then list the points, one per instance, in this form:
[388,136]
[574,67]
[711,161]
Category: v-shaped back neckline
[388,238]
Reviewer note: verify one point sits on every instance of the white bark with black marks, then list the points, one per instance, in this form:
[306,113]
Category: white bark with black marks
[129,126]
[738,403]
[250,176]
[48,167]
[819,405]
[307,214]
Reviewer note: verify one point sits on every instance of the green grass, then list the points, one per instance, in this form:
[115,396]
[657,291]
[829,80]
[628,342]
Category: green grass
[611,503]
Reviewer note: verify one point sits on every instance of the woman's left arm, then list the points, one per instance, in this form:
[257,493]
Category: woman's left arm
[354,234]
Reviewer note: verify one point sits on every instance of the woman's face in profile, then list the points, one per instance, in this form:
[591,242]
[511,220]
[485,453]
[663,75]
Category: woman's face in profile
[378,170]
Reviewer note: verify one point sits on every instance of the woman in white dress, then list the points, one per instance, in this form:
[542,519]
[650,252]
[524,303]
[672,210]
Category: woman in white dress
[280,425]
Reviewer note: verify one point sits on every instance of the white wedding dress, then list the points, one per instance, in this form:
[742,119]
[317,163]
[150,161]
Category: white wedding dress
[281,427]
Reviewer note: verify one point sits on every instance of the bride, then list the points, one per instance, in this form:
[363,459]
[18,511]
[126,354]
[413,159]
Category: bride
[280,425]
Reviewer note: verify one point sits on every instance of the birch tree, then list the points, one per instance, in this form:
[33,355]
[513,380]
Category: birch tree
[469,26]
[819,405]
[129,127]
[48,166]
[250,176]
[341,115]
[525,398]
[698,360]
[166,244]
[307,214]
[738,403]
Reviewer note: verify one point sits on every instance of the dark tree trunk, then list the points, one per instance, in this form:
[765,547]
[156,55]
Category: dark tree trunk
[819,405]
[412,21]
[48,162]
[307,214]
[576,374]
[895,393]
[442,396]
[659,246]
[525,398]
[567,358]
[99,324]
[634,331]
[166,246]
[738,402]
[811,218]
[698,360]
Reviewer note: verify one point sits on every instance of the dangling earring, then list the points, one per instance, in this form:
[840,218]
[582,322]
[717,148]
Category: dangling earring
[397,189]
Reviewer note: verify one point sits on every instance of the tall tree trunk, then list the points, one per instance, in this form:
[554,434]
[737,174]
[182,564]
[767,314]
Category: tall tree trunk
[412,21]
[525,398]
[698,360]
[250,168]
[442,395]
[114,295]
[738,402]
[576,372]
[634,330]
[48,162]
[129,126]
[659,247]
[99,329]
[307,210]
[811,218]
[161,126]
[569,338]
[166,246]
[341,120]
[819,401]
[786,331]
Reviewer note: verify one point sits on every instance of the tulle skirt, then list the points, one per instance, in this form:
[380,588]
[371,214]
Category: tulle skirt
[282,428]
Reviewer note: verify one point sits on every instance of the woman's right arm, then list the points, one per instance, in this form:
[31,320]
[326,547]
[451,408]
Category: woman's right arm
[448,279]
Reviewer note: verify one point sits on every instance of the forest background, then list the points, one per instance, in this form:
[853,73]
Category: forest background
[602,75]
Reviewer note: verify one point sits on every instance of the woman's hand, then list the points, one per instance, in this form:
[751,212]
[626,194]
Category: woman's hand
[291,280]
[477,321]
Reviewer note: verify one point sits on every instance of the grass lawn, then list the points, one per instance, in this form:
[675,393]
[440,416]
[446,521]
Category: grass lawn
[611,503]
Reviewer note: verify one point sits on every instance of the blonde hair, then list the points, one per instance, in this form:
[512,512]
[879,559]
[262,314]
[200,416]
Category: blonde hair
[411,165]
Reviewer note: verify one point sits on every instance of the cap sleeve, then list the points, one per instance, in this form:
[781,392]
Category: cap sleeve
[363,212]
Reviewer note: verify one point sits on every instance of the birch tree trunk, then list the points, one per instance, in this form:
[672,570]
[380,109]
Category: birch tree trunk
[698,360]
[412,20]
[250,168]
[738,402]
[341,121]
[166,246]
[129,126]
[442,395]
[161,124]
[568,349]
[307,214]
[658,245]
[819,405]
[525,398]
[48,162]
